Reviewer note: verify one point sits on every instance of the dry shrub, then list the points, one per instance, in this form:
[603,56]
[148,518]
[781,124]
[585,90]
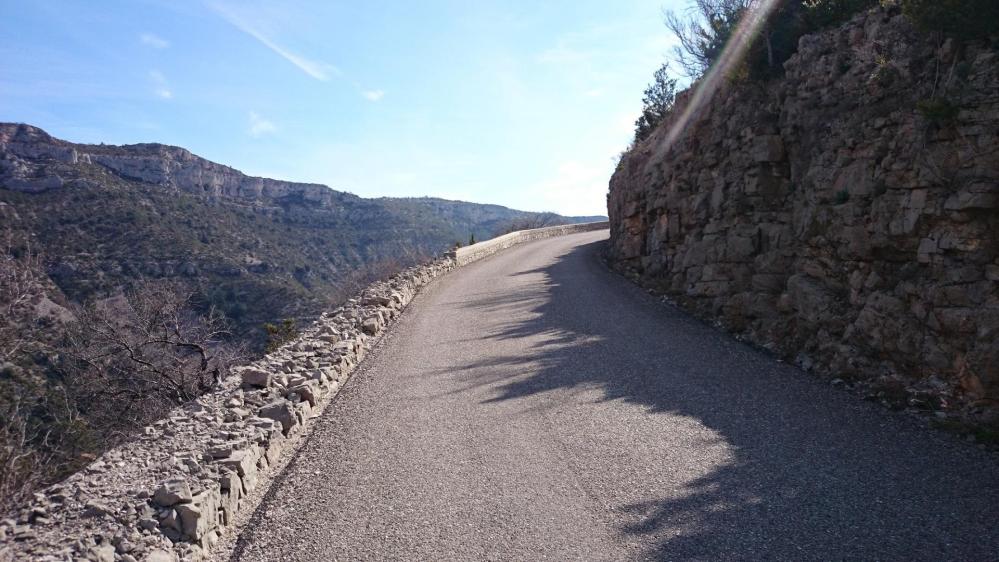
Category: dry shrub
[134,357]
[70,391]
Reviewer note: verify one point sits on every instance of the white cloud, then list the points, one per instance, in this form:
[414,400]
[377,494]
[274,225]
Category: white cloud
[576,188]
[373,95]
[578,184]
[260,126]
[154,41]
[316,69]
[160,86]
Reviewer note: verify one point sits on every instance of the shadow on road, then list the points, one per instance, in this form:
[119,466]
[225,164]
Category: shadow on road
[813,473]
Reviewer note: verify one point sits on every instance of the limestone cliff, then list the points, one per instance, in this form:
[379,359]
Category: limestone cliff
[846,215]
[103,217]
[26,148]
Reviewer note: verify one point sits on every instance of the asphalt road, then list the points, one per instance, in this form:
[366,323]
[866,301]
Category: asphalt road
[534,406]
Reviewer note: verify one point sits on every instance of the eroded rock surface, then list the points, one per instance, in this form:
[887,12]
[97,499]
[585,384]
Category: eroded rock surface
[837,215]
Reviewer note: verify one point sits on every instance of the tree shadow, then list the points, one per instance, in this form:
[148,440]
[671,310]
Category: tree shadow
[813,473]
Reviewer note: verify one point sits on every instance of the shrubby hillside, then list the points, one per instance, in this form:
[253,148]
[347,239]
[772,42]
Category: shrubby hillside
[133,277]
[102,217]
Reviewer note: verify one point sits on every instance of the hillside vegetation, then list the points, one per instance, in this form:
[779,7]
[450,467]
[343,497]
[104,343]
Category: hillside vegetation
[133,277]
[103,217]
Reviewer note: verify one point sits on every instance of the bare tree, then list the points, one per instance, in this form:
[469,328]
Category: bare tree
[21,280]
[37,441]
[19,462]
[703,30]
[33,454]
[768,31]
[146,353]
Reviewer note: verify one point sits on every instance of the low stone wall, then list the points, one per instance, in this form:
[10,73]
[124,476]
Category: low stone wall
[487,248]
[170,493]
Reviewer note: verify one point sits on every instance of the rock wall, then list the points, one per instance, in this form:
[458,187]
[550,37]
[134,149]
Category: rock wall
[169,494]
[846,215]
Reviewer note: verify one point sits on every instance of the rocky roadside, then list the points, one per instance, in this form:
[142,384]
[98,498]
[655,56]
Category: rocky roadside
[170,493]
[931,400]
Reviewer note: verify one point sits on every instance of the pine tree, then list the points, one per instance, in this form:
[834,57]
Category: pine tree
[656,103]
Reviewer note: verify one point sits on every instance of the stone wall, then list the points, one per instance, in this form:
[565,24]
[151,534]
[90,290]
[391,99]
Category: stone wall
[170,493]
[845,216]
[467,254]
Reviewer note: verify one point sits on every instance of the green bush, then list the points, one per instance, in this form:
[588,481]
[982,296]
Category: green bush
[280,334]
[884,73]
[938,110]
[961,19]
[819,14]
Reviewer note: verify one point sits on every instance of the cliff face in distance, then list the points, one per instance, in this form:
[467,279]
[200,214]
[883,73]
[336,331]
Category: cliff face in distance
[845,215]
[261,249]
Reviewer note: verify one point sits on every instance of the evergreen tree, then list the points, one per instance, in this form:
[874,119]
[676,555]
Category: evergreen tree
[656,103]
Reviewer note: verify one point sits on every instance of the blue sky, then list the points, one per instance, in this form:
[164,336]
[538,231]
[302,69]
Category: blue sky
[524,104]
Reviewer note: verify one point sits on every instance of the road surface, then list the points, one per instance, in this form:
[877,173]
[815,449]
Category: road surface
[534,406]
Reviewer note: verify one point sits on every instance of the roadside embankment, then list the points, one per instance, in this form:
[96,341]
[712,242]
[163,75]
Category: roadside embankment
[171,492]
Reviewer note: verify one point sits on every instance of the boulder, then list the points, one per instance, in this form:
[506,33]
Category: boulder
[256,378]
[200,516]
[281,411]
[172,492]
[371,325]
[307,391]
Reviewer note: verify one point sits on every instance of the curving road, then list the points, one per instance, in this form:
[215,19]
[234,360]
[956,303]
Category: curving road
[534,406]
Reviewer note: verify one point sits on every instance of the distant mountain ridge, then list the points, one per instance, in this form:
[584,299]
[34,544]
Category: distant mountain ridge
[104,216]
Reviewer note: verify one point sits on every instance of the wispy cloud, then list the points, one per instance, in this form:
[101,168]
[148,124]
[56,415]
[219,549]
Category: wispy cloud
[316,69]
[373,95]
[260,126]
[160,85]
[154,41]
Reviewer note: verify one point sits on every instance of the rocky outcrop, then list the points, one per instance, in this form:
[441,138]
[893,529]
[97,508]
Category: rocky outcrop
[22,146]
[846,215]
[170,494]
[105,217]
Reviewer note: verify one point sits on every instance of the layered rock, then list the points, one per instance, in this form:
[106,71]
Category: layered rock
[846,215]
[24,148]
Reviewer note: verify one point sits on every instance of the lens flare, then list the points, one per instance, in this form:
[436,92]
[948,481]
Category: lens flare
[731,57]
